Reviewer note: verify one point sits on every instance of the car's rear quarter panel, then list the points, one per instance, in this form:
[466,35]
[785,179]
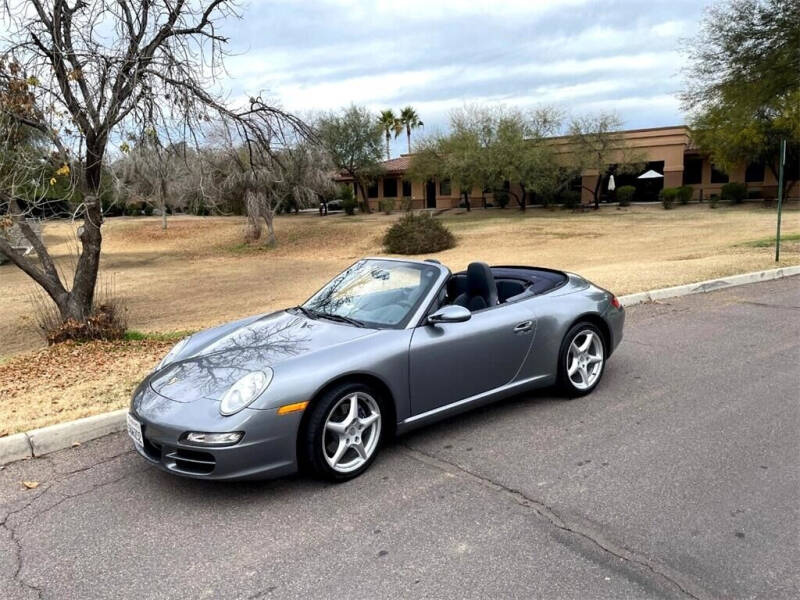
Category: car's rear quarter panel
[555,313]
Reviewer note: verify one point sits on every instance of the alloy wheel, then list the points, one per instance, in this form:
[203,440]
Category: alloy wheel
[352,431]
[585,359]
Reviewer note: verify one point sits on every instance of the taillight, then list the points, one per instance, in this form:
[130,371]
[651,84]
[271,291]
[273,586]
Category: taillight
[615,302]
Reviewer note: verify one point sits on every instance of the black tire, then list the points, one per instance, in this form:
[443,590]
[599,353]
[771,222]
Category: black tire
[311,437]
[565,384]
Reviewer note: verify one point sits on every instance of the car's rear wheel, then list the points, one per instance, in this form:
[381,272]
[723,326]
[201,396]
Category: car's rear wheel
[343,432]
[581,361]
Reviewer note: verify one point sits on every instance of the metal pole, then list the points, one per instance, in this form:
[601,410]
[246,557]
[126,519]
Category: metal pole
[780,200]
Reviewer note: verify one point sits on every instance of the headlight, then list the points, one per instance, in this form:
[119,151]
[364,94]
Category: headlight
[176,349]
[244,391]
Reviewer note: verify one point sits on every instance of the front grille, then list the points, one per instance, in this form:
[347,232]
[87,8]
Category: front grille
[192,461]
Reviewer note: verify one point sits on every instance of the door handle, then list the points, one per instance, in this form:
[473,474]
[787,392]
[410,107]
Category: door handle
[523,327]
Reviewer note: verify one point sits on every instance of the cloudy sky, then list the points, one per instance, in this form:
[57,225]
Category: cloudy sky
[580,55]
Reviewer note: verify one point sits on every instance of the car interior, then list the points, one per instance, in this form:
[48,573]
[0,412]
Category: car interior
[482,286]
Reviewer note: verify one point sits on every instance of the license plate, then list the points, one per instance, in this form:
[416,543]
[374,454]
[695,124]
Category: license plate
[135,430]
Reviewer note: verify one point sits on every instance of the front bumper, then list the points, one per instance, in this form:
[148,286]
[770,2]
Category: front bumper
[267,449]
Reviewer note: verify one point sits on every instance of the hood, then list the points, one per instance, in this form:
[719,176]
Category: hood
[213,366]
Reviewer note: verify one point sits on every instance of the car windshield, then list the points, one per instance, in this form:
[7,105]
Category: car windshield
[373,293]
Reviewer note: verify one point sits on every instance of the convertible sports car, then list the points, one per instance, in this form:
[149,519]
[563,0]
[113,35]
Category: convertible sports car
[386,346]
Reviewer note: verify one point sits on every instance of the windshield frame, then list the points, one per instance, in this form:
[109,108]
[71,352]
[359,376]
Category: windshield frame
[417,309]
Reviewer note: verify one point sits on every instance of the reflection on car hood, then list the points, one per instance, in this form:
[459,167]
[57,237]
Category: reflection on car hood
[218,363]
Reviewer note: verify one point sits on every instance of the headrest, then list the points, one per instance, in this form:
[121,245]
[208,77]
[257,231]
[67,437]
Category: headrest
[480,280]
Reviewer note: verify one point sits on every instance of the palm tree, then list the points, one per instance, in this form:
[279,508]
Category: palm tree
[410,119]
[389,123]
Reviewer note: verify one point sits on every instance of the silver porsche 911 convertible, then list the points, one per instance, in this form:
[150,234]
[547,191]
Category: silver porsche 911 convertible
[386,346]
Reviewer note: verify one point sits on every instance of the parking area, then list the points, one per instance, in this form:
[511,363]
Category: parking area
[677,478]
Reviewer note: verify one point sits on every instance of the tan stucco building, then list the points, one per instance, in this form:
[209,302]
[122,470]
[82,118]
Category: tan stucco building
[666,150]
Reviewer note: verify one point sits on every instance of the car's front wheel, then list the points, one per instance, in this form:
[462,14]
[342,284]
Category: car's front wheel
[581,360]
[343,432]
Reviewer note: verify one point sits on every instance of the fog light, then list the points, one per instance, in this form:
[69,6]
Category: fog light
[213,439]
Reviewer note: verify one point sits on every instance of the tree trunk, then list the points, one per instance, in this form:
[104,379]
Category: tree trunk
[466,201]
[524,197]
[79,303]
[360,186]
[787,185]
[408,135]
[388,146]
[253,228]
[268,218]
[163,204]
[597,192]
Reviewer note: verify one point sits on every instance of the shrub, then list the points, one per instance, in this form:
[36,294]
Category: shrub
[685,193]
[571,199]
[105,324]
[197,207]
[713,201]
[347,200]
[407,203]
[387,205]
[625,194]
[501,197]
[668,196]
[735,192]
[107,321]
[418,234]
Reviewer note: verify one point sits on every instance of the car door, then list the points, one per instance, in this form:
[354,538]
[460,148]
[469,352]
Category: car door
[452,361]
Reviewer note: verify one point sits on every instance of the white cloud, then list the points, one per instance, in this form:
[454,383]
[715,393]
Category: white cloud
[581,55]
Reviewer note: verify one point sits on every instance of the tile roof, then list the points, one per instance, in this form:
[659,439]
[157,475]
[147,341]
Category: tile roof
[393,166]
[397,165]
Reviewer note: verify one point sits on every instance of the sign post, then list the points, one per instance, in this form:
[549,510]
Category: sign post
[780,200]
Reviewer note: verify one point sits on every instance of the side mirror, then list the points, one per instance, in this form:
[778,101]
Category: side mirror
[450,314]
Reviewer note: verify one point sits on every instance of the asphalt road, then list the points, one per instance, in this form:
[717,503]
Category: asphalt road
[677,478]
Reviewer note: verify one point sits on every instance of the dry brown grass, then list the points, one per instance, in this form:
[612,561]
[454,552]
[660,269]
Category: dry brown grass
[69,381]
[197,274]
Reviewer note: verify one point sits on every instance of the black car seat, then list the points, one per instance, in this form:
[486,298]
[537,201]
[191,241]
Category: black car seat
[481,289]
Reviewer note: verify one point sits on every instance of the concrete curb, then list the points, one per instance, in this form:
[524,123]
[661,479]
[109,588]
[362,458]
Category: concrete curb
[708,286]
[39,442]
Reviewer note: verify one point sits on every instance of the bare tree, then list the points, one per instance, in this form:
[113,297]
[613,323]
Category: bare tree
[77,73]
[596,144]
[296,176]
[151,167]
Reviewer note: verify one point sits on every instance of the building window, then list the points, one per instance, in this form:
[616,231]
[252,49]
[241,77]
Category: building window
[406,188]
[390,188]
[372,190]
[718,176]
[754,173]
[692,171]
[444,187]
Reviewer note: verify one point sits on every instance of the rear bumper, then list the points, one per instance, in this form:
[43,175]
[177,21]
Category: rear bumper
[615,318]
[267,449]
